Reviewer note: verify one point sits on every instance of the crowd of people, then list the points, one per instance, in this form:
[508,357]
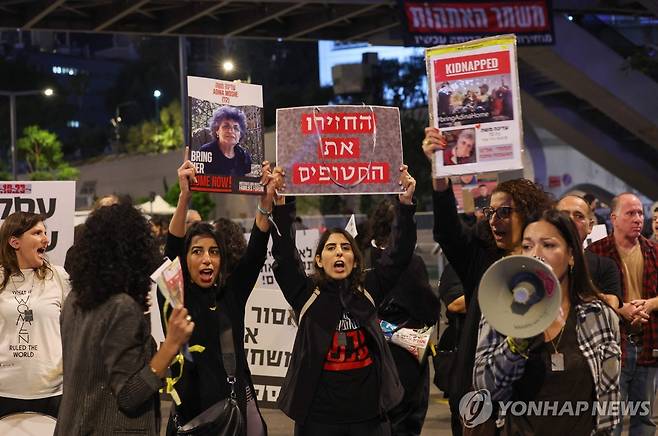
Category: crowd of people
[94,365]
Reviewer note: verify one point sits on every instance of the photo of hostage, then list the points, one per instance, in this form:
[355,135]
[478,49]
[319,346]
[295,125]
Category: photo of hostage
[228,126]
[461,147]
[474,101]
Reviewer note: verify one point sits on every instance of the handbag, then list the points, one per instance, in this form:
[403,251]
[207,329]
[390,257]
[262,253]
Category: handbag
[224,417]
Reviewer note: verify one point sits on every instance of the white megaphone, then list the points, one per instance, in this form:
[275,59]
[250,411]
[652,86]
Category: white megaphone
[519,296]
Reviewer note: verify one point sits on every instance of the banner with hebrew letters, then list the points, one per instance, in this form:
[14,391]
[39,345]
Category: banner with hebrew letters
[474,99]
[55,200]
[345,150]
[439,22]
[270,328]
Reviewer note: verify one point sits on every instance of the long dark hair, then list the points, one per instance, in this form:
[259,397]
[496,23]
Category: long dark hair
[204,229]
[14,226]
[116,253]
[581,287]
[234,242]
[356,277]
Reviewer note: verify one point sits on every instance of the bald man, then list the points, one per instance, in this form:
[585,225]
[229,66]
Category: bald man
[602,270]
[637,260]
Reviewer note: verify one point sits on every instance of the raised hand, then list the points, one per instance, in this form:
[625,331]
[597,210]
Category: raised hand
[408,184]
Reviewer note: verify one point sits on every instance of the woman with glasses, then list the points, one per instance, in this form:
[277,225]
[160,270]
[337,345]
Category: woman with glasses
[472,250]
[228,126]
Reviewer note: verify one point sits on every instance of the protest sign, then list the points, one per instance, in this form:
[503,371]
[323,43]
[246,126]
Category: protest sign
[55,200]
[226,135]
[439,22]
[344,150]
[270,328]
[475,101]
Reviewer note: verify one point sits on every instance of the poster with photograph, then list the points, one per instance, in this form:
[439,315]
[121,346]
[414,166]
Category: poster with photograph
[344,150]
[55,200]
[475,101]
[226,135]
[473,192]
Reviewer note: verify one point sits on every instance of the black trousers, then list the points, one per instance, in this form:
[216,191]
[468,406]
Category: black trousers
[372,427]
[47,406]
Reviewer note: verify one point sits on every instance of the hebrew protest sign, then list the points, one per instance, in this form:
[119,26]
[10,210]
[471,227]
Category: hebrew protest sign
[346,150]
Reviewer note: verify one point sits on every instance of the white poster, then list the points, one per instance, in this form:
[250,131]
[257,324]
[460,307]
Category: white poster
[475,101]
[269,324]
[55,200]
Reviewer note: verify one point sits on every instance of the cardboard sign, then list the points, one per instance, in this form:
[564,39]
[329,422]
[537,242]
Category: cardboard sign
[346,150]
[55,200]
[226,135]
[439,22]
[475,102]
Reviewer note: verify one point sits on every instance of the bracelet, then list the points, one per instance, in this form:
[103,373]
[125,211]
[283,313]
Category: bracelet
[265,212]
[518,347]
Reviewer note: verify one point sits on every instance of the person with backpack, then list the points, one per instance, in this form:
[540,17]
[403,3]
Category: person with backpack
[342,378]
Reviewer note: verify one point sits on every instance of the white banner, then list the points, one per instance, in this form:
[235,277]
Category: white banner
[269,327]
[55,200]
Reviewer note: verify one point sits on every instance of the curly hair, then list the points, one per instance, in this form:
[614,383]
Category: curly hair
[227,113]
[116,254]
[381,221]
[14,226]
[236,245]
[204,229]
[530,200]
[356,277]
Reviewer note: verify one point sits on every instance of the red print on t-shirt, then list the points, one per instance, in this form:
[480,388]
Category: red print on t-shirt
[348,348]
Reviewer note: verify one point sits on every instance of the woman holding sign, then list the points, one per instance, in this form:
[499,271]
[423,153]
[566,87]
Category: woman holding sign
[210,294]
[342,379]
[112,372]
[32,293]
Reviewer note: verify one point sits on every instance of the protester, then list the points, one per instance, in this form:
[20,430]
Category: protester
[576,360]
[411,304]
[342,378]
[112,372]
[191,217]
[210,293]
[32,292]
[472,250]
[602,270]
[637,260]
[228,126]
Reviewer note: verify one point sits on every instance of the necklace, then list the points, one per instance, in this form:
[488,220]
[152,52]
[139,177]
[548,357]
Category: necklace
[557,359]
[25,314]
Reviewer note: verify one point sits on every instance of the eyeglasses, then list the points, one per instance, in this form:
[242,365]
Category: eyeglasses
[501,213]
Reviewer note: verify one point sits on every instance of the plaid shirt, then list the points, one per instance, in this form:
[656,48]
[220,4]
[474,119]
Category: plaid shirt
[597,329]
[607,247]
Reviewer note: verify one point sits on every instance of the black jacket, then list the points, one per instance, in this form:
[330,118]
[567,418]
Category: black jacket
[320,320]
[203,382]
[470,255]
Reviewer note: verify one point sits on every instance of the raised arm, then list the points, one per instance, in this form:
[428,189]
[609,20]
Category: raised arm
[395,259]
[186,174]
[288,267]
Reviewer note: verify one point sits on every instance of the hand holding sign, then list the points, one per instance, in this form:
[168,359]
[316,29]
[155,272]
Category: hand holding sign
[186,173]
[408,184]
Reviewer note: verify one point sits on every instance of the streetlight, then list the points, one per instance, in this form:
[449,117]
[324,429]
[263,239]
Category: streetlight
[157,95]
[12,118]
[228,66]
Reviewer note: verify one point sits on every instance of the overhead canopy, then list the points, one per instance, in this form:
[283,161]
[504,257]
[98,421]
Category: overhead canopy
[376,21]
[157,207]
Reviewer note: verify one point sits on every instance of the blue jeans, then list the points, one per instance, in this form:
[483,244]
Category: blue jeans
[637,383]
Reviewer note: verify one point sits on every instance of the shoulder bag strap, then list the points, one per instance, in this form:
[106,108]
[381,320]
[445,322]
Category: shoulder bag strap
[228,349]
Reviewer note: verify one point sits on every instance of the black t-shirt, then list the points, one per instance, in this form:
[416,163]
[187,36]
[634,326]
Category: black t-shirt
[540,383]
[238,165]
[348,389]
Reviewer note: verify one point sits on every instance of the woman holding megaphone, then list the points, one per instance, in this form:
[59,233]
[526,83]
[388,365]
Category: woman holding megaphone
[570,372]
